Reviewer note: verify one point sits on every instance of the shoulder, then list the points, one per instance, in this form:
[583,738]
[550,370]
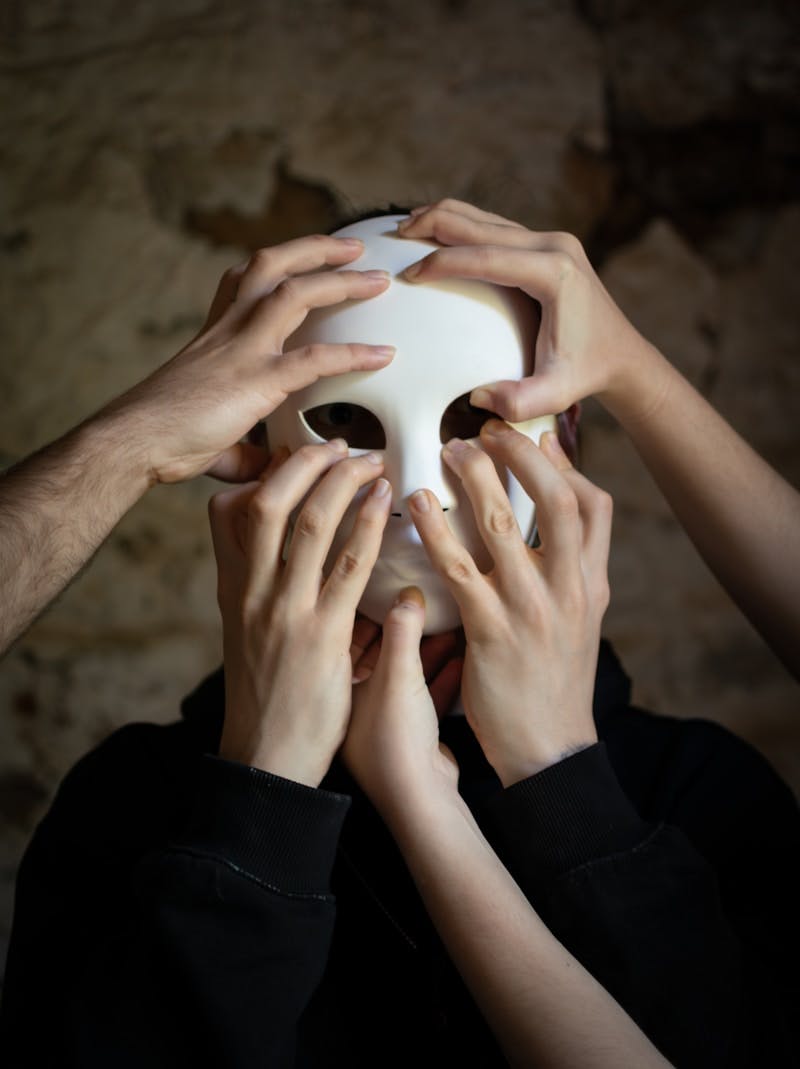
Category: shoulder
[718,789]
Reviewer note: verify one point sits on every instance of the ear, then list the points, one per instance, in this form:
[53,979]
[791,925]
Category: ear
[567,425]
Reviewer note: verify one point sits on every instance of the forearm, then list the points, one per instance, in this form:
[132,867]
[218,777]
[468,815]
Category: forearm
[741,515]
[56,508]
[542,1005]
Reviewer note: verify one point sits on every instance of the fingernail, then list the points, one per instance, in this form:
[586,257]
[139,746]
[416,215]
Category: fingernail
[383,350]
[411,272]
[495,428]
[339,445]
[480,398]
[457,446]
[382,275]
[373,458]
[403,223]
[381,488]
[410,595]
[419,501]
[419,210]
[355,242]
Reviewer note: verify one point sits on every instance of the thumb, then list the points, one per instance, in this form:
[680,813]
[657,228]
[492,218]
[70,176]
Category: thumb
[402,633]
[239,463]
[516,401]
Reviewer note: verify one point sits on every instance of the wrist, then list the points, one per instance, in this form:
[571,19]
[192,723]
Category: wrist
[523,764]
[122,442]
[638,389]
[286,762]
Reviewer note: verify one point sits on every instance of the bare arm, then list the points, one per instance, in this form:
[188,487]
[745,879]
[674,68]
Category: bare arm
[187,418]
[56,508]
[544,1008]
[742,516]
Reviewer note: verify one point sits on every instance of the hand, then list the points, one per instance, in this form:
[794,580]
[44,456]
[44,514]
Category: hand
[392,746]
[532,623]
[287,632]
[188,417]
[441,656]
[585,344]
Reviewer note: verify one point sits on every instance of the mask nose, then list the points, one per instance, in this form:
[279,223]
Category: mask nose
[418,465]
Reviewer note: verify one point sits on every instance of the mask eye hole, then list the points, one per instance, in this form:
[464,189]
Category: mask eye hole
[340,419]
[463,420]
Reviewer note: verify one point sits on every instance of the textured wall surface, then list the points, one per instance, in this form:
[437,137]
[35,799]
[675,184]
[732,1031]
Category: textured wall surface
[146,146]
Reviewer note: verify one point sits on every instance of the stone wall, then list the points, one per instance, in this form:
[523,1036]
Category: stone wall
[146,146]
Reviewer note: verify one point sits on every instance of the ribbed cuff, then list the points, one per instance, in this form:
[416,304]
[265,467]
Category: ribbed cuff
[568,814]
[282,833]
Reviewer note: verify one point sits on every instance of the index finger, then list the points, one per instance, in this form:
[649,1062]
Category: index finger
[268,267]
[557,512]
[540,274]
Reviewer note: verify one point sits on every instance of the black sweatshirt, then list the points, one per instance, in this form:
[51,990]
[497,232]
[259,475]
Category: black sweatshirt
[175,909]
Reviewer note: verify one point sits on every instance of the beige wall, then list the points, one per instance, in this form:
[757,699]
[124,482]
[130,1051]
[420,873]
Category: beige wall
[146,146]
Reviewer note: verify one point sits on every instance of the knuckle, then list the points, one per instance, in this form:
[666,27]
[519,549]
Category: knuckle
[260,261]
[567,243]
[563,502]
[514,407]
[450,204]
[484,257]
[286,290]
[310,522]
[262,506]
[313,353]
[308,455]
[502,520]
[458,571]
[348,563]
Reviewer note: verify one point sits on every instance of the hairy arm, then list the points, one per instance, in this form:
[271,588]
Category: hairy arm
[56,509]
[187,418]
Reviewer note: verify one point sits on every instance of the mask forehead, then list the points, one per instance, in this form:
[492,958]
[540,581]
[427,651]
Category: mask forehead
[450,336]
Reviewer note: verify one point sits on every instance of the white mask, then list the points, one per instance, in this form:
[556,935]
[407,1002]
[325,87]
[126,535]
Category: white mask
[450,337]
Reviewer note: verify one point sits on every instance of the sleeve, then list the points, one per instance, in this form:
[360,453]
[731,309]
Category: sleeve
[640,907]
[206,951]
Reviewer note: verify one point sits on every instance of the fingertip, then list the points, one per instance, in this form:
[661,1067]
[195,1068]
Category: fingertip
[482,398]
[413,272]
[410,597]
[551,447]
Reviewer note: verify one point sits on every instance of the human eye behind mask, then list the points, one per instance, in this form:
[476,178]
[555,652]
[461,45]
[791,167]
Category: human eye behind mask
[359,427]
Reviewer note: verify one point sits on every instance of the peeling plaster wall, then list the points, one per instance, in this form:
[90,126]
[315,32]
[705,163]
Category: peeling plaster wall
[147,146]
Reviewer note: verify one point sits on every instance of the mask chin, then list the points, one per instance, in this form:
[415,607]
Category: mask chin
[386,582]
